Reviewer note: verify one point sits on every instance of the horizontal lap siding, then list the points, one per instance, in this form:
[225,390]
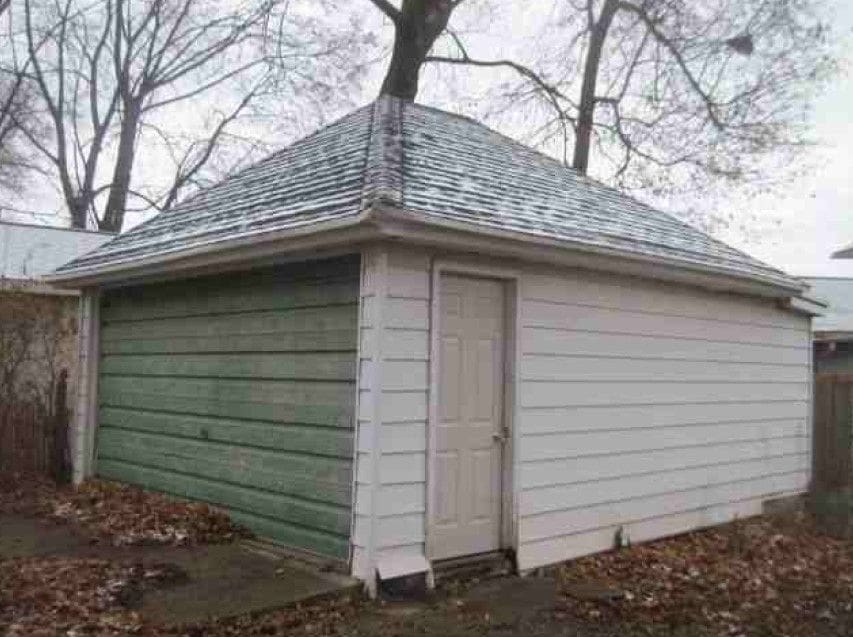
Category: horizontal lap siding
[653,408]
[238,390]
[391,480]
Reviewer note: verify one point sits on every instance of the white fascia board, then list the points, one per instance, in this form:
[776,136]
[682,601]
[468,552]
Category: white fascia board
[466,237]
[386,222]
[805,305]
[218,256]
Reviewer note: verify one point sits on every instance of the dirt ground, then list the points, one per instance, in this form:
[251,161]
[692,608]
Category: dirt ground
[224,589]
[87,572]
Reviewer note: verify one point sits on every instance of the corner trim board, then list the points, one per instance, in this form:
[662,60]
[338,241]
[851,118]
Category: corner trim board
[380,296]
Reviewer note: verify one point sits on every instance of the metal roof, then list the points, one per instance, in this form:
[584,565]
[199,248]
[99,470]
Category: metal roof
[431,163]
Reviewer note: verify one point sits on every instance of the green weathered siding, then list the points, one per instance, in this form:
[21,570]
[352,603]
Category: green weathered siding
[238,390]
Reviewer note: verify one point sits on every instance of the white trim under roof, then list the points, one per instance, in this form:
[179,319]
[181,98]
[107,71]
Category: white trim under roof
[384,222]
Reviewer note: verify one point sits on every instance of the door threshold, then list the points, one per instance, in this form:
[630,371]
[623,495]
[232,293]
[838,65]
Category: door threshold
[481,565]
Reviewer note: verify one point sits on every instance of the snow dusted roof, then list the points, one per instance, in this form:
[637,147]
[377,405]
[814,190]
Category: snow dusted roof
[435,165]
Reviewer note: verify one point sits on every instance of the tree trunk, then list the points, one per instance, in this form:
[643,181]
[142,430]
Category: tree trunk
[117,199]
[417,27]
[586,112]
[79,210]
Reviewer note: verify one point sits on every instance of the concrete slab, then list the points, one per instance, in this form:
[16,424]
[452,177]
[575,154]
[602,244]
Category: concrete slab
[231,580]
[216,580]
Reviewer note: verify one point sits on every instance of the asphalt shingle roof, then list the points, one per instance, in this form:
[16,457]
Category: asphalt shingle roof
[432,163]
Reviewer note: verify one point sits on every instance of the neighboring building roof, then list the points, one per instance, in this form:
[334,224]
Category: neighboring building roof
[837,293]
[28,251]
[844,253]
[432,164]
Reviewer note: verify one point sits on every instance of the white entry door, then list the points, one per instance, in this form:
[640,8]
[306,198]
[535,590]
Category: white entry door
[469,439]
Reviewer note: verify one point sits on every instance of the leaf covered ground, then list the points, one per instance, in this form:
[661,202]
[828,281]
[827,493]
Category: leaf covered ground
[768,576]
[85,596]
[118,514]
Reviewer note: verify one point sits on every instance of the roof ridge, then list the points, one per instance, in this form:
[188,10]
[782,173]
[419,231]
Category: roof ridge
[383,178]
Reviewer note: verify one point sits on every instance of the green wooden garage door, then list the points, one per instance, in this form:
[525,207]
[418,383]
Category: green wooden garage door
[238,390]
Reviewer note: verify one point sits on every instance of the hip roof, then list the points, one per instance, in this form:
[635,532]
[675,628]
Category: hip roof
[431,163]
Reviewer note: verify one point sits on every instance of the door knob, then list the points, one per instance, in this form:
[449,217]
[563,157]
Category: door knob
[499,437]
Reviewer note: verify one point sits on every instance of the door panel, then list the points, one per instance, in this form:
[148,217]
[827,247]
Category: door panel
[466,484]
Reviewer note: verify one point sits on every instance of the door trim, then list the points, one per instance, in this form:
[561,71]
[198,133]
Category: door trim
[511,279]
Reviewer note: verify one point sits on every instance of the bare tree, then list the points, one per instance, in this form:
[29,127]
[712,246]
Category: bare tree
[16,104]
[110,73]
[654,90]
[417,25]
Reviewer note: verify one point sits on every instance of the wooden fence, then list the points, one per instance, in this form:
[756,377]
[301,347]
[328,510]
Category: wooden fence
[34,437]
[833,432]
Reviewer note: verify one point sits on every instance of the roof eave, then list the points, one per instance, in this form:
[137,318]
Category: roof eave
[409,225]
[383,221]
[219,255]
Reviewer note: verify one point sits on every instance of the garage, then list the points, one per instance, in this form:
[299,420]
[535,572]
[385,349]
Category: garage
[520,361]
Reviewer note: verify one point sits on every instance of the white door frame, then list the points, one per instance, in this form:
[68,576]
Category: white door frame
[512,280]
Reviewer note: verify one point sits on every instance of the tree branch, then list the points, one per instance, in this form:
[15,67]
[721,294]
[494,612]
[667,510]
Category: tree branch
[389,10]
[651,25]
[185,176]
[148,200]
[551,91]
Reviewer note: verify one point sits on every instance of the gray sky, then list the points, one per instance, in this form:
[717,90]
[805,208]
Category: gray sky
[796,229]
[815,216]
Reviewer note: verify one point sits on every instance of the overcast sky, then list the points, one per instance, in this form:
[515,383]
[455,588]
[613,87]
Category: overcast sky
[814,217]
[803,223]
[796,229]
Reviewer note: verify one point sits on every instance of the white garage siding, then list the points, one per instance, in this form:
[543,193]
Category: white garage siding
[653,407]
[393,397]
